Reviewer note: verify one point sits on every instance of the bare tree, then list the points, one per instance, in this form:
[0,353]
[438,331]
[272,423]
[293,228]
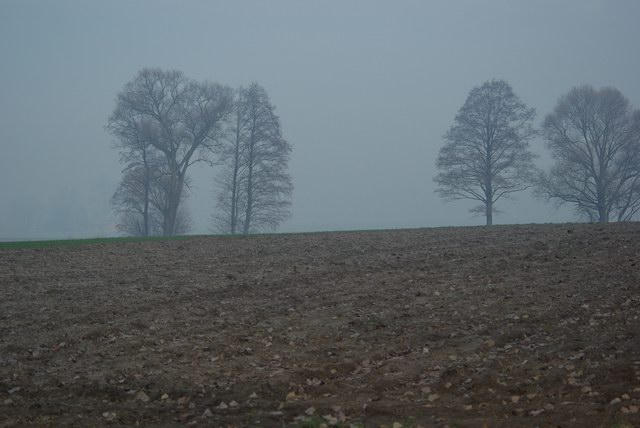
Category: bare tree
[140,201]
[179,118]
[131,199]
[255,187]
[231,180]
[486,153]
[594,137]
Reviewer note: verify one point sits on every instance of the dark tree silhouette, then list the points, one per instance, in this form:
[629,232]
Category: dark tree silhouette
[141,203]
[486,153]
[254,185]
[594,137]
[180,119]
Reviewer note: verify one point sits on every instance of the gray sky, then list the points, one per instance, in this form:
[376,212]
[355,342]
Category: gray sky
[365,90]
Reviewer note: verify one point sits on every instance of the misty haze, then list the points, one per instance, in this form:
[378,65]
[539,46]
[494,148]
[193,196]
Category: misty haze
[306,213]
[365,93]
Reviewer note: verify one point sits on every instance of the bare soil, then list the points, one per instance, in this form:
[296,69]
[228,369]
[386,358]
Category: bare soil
[504,326]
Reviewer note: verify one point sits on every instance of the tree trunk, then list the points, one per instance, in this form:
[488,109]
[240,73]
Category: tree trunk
[603,212]
[175,194]
[147,183]
[234,185]
[145,214]
[488,195]
[248,212]
[603,215]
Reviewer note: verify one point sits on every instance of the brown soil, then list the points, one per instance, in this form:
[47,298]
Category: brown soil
[506,326]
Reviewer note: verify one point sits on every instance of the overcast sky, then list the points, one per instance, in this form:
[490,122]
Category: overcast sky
[364,89]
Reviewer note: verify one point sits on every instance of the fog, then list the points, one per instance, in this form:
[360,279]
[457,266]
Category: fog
[365,91]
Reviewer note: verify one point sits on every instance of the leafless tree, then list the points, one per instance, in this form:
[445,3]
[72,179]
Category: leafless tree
[132,198]
[594,137]
[131,201]
[140,201]
[254,185]
[231,180]
[486,153]
[179,118]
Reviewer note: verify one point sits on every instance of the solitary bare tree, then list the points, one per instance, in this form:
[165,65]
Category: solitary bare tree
[254,185]
[594,137]
[179,118]
[486,153]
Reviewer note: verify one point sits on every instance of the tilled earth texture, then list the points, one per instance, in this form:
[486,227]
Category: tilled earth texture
[503,326]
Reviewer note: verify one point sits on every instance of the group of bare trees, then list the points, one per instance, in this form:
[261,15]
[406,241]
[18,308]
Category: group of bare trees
[165,122]
[593,135]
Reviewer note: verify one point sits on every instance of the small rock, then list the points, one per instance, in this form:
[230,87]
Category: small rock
[615,401]
[397,425]
[109,415]
[314,382]
[536,412]
[14,390]
[586,389]
[207,413]
[331,420]
[8,401]
[233,403]
[253,395]
[515,398]
[426,390]
[625,396]
[633,409]
[164,396]
[310,411]
[549,406]
[222,406]
[433,397]
[468,407]
[142,396]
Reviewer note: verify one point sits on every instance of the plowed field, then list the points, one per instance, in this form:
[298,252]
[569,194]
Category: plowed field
[503,326]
